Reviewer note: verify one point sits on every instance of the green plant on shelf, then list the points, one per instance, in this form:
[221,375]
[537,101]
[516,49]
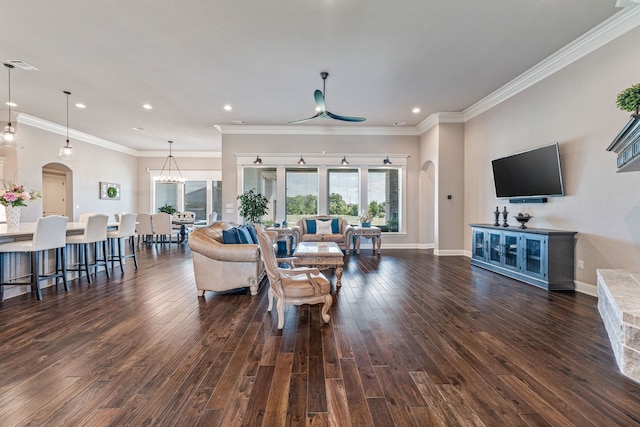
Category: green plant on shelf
[629,99]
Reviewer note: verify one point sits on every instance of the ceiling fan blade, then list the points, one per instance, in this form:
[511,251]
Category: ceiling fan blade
[319,97]
[305,120]
[346,118]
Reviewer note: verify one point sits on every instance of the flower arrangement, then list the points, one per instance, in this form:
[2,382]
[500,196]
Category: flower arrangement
[12,194]
[365,216]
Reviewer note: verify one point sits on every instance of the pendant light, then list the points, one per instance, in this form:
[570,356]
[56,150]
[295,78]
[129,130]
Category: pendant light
[167,176]
[9,133]
[387,161]
[66,152]
[301,161]
[344,162]
[257,161]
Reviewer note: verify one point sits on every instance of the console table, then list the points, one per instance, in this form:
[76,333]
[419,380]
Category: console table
[539,257]
[373,233]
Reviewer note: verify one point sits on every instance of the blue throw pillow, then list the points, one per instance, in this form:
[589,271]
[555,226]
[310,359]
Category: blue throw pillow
[252,231]
[311,226]
[335,226]
[230,236]
[245,236]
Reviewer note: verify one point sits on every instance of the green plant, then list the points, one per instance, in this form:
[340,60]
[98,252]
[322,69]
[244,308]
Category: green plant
[629,99]
[253,206]
[167,208]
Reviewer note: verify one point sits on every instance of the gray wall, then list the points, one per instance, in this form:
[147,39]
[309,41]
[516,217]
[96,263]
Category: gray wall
[576,108]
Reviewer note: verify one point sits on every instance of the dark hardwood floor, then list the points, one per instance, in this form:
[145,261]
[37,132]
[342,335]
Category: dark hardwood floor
[414,340]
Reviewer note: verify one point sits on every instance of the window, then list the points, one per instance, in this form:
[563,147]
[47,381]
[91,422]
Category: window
[302,193]
[216,197]
[263,181]
[384,198]
[195,198]
[166,193]
[344,193]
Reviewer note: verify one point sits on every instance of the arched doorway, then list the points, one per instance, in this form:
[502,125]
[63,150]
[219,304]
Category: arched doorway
[57,190]
[428,211]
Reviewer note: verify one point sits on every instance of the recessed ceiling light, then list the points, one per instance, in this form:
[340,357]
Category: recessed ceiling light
[139,129]
[228,107]
[415,110]
[11,104]
[81,105]
[147,106]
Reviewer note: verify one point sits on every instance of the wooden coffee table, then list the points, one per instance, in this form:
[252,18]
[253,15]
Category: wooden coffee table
[321,255]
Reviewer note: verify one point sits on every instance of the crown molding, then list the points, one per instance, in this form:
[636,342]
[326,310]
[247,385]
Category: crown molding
[77,135]
[614,27]
[183,154]
[437,118]
[317,130]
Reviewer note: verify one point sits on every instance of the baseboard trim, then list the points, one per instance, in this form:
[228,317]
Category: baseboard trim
[586,288]
[448,252]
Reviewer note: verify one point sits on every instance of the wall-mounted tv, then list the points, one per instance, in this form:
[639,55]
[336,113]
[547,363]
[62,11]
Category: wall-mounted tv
[533,173]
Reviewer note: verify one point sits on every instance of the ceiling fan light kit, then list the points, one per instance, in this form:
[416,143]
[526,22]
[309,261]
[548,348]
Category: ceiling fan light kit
[319,97]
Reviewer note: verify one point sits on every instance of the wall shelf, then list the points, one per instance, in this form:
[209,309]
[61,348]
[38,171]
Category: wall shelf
[627,145]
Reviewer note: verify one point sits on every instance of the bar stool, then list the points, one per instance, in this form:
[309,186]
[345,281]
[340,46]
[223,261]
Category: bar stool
[50,233]
[95,231]
[126,228]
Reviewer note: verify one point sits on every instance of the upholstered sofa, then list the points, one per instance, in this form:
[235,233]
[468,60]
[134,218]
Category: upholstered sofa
[220,267]
[324,228]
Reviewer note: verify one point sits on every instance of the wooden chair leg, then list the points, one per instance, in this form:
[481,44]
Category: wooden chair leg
[85,249]
[35,273]
[1,275]
[104,258]
[135,257]
[63,252]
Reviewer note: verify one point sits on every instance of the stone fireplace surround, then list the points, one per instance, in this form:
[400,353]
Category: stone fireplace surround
[619,306]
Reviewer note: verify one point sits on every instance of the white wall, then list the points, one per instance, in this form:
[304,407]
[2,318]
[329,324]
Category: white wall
[91,165]
[576,108]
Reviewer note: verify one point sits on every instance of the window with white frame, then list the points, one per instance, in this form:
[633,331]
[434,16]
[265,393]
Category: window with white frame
[301,193]
[262,180]
[201,193]
[344,193]
[383,189]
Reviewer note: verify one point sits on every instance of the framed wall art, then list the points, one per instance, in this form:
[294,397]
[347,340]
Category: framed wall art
[109,191]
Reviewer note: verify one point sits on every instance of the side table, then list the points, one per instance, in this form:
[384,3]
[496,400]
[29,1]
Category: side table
[284,233]
[373,233]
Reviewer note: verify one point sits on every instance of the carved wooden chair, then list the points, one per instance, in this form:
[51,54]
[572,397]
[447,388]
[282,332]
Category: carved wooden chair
[293,285]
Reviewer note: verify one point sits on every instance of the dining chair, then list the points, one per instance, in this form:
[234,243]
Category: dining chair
[126,229]
[302,285]
[95,231]
[162,227]
[50,233]
[144,228]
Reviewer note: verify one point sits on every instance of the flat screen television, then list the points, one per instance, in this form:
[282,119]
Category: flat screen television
[533,173]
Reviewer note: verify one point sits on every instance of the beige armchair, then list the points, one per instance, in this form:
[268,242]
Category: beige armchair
[293,285]
[342,238]
[220,267]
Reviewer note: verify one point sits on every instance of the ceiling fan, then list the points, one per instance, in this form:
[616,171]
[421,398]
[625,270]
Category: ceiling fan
[319,97]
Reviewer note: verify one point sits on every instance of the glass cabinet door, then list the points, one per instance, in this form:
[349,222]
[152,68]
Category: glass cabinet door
[495,248]
[534,254]
[478,244]
[511,250]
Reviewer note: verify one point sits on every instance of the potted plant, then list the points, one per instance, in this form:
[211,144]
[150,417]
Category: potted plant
[629,100]
[365,219]
[253,206]
[167,208]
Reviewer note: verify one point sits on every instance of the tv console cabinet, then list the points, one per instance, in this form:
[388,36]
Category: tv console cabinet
[539,257]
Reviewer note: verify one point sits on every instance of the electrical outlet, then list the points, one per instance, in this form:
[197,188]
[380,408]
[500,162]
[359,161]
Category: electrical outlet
[581,264]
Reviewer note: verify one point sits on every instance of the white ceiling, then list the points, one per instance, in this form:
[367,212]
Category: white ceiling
[190,58]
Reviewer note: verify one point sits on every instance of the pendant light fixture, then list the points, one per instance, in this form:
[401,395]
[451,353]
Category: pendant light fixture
[344,162]
[167,176]
[257,161]
[387,161]
[301,161]
[66,152]
[9,133]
